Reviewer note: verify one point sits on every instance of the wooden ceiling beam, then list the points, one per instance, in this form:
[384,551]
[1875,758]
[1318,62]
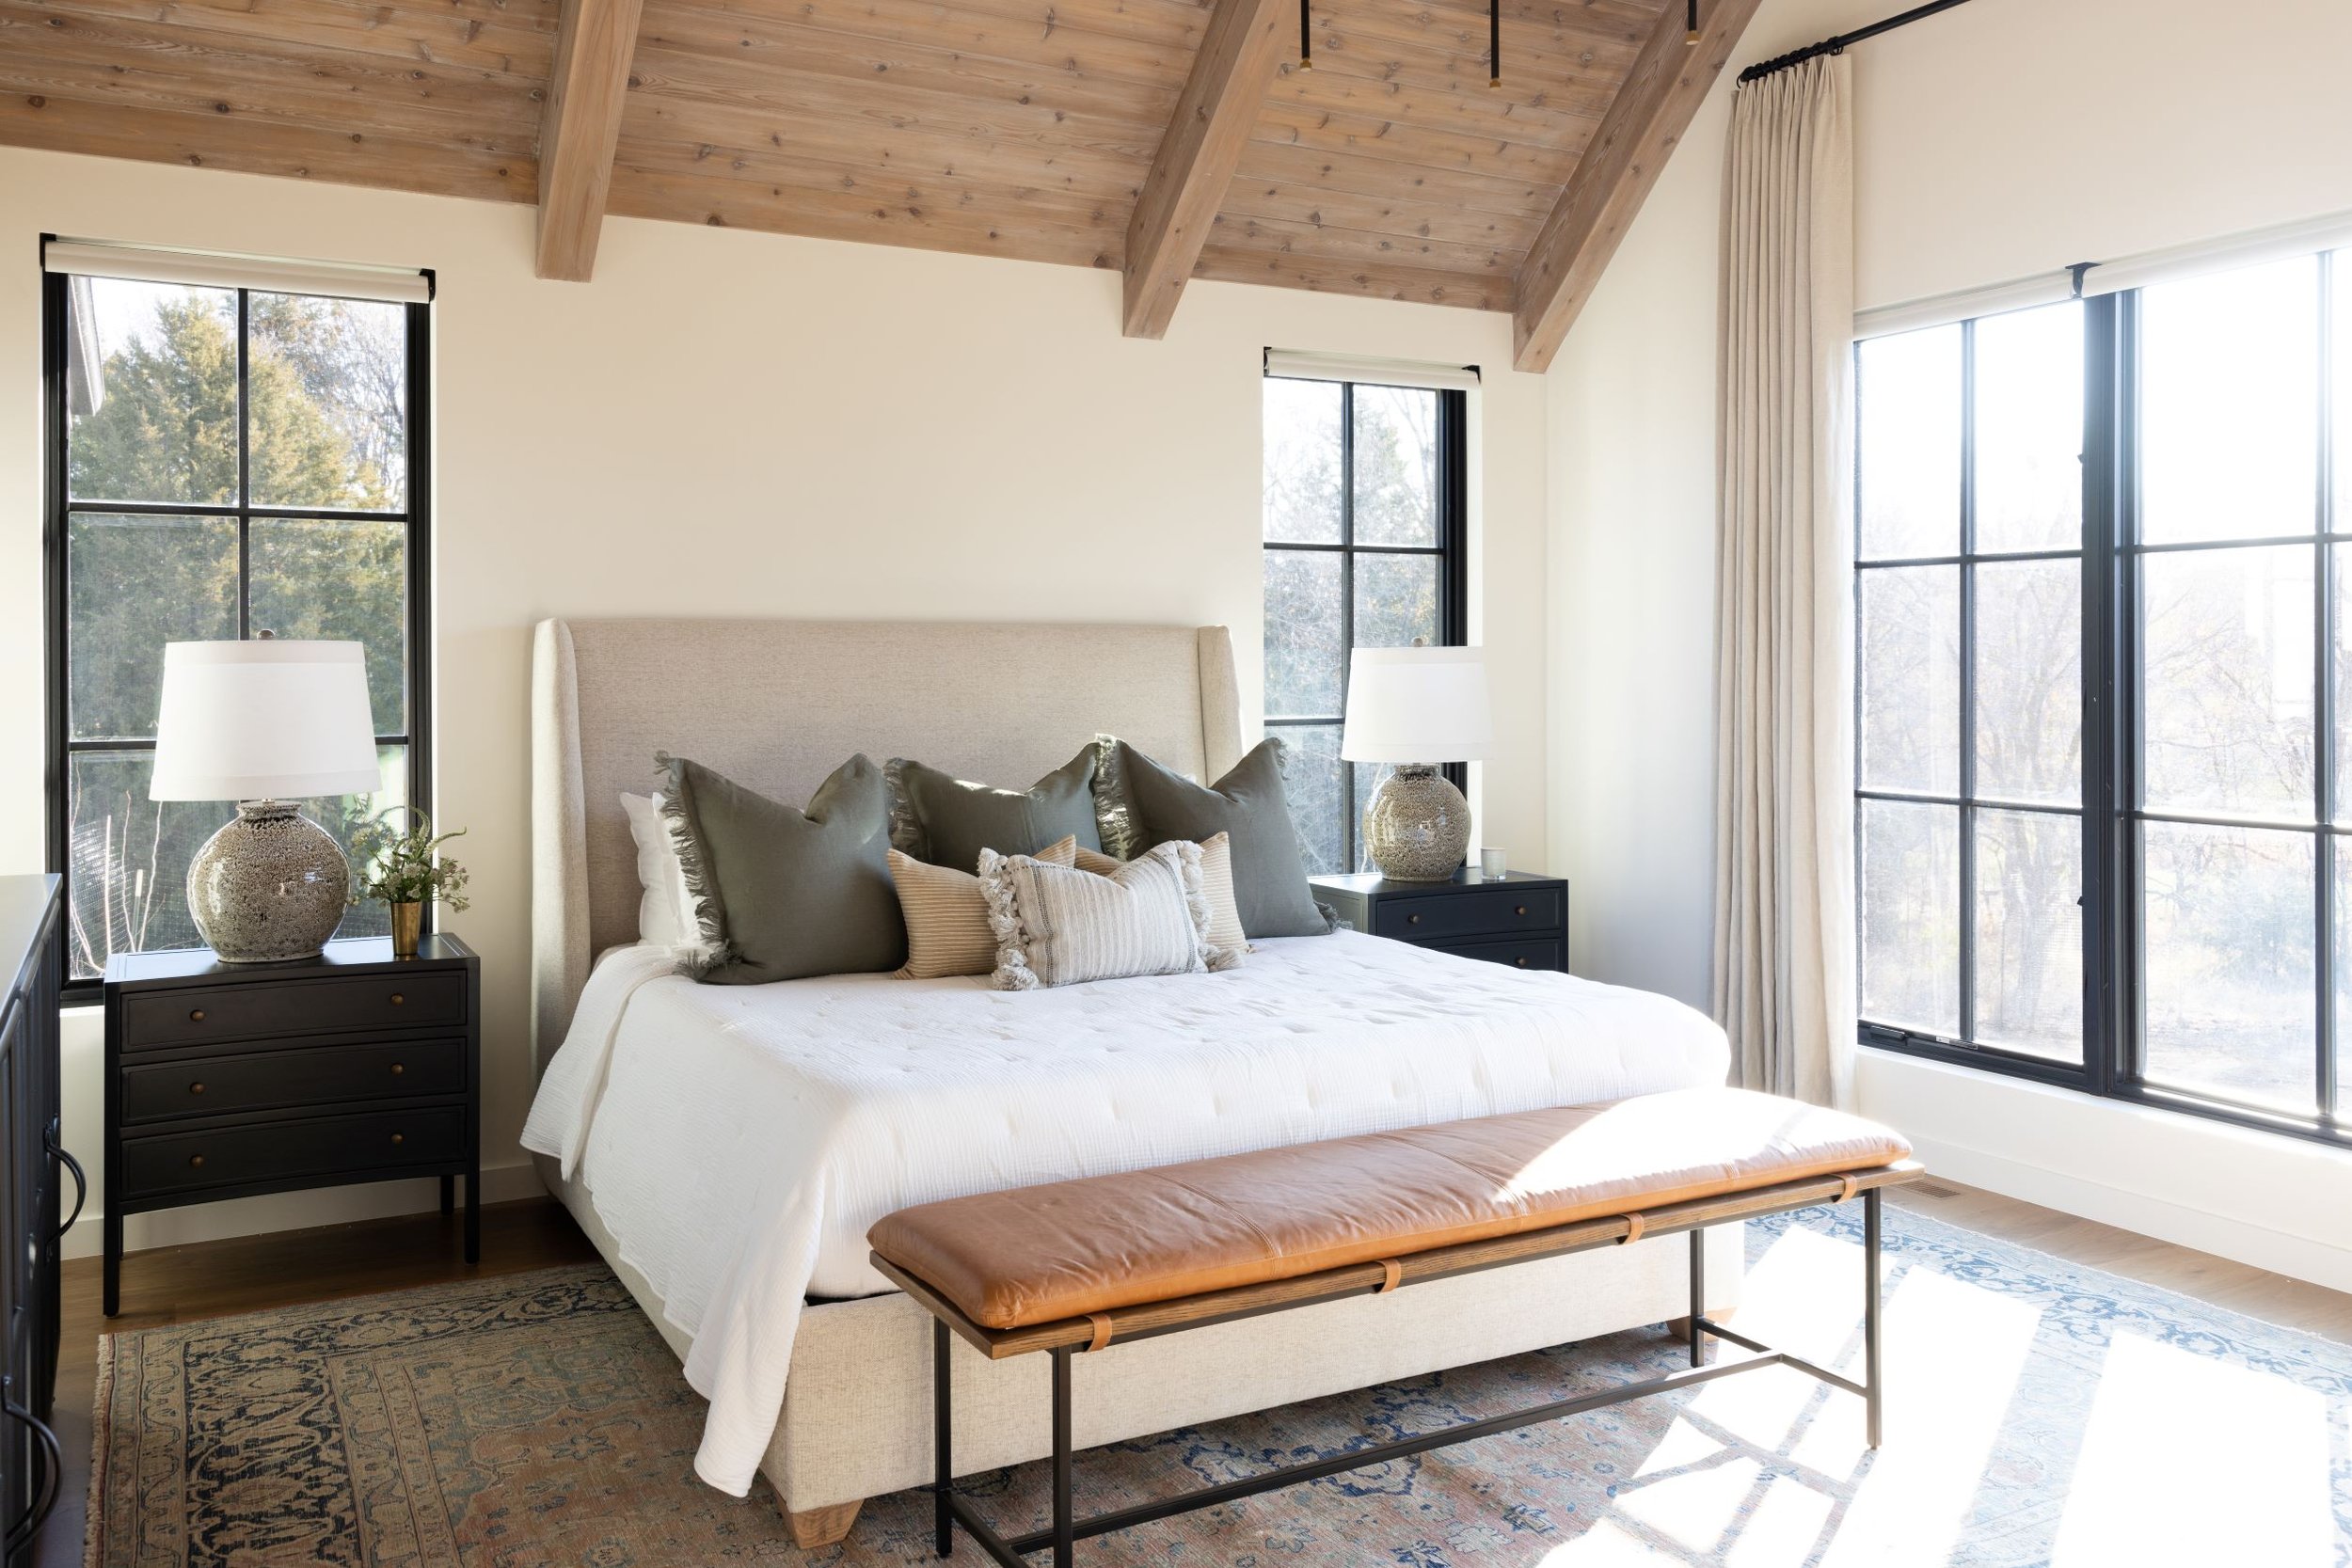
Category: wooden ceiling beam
[1210,126]
[579,131]
[1642,127]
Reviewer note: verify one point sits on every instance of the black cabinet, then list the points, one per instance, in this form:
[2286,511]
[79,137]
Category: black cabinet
[232,1080]
[32,1170]
[1514,919]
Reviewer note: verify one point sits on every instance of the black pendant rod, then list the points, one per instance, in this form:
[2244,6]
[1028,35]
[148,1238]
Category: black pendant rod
[1306,35]
[1839,44]
[1494,43]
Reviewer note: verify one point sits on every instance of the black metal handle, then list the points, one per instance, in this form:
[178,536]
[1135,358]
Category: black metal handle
[81,1178]
[53,1466]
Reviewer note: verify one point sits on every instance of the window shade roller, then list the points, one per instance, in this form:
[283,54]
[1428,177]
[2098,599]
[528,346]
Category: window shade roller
[1304,366]
[2252,248]
[2304,237]
[223,270]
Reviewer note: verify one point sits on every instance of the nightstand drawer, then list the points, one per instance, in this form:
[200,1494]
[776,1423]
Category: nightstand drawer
[381,1141]
[1497,912]
[1541,952]
[305,1075]
[429,999]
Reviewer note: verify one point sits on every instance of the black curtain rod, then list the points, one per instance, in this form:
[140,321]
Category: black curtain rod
[1838,44]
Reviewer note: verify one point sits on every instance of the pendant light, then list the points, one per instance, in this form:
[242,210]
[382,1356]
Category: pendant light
[1691,38]
[1306,39]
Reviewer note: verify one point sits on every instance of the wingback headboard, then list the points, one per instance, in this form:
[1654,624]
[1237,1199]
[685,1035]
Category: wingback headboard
[778,705]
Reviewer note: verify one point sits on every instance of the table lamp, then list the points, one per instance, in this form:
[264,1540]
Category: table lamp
[1417,707]
[264,723]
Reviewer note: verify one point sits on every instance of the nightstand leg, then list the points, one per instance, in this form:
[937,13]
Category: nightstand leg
[448,1195]
[473,1215]
[113,1290]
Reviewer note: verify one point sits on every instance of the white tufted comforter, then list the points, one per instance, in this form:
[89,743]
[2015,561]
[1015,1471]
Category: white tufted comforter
[738,1140]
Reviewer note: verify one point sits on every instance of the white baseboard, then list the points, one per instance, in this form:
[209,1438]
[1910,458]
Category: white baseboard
[253,1216]
[2190,1181]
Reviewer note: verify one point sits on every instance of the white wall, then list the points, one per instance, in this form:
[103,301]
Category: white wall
[726,422]
[2004,138]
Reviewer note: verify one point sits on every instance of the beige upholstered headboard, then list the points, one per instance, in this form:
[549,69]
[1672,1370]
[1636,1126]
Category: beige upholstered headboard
[778,705]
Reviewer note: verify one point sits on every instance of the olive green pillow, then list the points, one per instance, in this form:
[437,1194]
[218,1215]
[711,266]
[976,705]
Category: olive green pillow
[786,894]
[1142,804]
[945,821]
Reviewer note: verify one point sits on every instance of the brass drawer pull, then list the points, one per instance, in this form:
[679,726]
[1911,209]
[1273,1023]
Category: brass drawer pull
[396,1137]
[398,999]
[195,1160]
[1412,920]
[1521,910]
[196,1088]
[1520,961]
[196,1015]
[398,1069]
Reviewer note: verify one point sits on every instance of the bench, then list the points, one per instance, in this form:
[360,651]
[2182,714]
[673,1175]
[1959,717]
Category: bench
[1076,1267]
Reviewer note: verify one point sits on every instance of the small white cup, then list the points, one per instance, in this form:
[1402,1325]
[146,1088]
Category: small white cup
[1494,863]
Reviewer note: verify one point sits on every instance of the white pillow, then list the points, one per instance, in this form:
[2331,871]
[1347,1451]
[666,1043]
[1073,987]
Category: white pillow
[665,910]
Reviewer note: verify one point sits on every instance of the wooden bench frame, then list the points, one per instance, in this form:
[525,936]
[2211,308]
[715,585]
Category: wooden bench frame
[1069,1337]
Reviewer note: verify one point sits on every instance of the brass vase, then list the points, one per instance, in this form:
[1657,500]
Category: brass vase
[407,928]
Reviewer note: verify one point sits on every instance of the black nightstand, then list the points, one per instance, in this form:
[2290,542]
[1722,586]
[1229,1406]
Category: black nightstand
[1512,919]
[233,1080]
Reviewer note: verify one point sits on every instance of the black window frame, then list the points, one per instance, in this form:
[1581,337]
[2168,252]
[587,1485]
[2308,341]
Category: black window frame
[1452,553]
[59,506]
[2113,1063]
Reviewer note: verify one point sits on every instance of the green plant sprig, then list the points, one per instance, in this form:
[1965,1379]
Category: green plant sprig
[404,866]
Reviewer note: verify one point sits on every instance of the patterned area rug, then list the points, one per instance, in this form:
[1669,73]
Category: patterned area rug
[2038,1412]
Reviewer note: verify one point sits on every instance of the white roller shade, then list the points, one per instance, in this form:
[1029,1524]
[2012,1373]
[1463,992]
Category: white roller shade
[2251,249]
[1943,309]
[1303,365]
[220,270]
[2332,232]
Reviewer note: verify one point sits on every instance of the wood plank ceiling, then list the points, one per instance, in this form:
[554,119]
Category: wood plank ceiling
[1018,128]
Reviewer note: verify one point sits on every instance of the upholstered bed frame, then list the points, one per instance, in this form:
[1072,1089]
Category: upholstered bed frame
[779,704]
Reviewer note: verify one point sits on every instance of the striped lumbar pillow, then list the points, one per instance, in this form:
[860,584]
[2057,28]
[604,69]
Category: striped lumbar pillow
[1216,886]
[947,914]
[1058,926]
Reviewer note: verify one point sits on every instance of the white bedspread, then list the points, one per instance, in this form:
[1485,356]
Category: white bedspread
[738,1140]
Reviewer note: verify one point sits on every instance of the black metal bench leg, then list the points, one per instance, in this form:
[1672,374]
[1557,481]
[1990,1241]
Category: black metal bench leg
[1065,1538]
[943,1443]
[1870,1313]
[1698,1296]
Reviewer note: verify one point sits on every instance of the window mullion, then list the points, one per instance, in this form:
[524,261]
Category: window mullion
[1968,682]
[2325,848]
[1349,858]
[244,469]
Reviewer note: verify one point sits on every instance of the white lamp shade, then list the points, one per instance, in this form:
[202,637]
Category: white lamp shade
[264,719]
[1417,704]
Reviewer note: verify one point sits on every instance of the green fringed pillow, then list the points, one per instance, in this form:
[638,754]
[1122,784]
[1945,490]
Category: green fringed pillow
[785,893]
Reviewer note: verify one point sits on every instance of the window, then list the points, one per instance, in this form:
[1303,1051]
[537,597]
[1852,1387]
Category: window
[1365,495]
[221,462]
[2103,653]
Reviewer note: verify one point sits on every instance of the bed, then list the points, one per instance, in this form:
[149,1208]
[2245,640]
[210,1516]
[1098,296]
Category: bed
[726,1147]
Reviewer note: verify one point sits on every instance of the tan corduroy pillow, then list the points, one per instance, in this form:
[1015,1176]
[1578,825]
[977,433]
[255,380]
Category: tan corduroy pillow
[946,916]
[1217,885]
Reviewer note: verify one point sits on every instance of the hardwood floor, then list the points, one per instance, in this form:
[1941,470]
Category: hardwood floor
[176,1284]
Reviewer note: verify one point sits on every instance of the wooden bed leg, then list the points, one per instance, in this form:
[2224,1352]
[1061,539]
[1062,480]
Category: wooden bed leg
[822,1526]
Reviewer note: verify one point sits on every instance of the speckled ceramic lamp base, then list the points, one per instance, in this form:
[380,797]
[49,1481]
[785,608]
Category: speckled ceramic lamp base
[269,887]
[1417,825]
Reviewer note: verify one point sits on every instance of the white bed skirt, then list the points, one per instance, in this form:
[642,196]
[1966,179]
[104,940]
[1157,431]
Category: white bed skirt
[857,1406]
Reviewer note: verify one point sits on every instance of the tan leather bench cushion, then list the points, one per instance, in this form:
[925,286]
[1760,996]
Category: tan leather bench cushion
[1040,1254]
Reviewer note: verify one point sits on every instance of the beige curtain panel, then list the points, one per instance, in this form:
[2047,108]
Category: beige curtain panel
[1784,868]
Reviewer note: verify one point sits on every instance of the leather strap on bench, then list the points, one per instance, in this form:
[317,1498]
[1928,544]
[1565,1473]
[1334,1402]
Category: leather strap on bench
[1102,1330]
[1634,1225]
[1392,1276]
[1848,1184]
